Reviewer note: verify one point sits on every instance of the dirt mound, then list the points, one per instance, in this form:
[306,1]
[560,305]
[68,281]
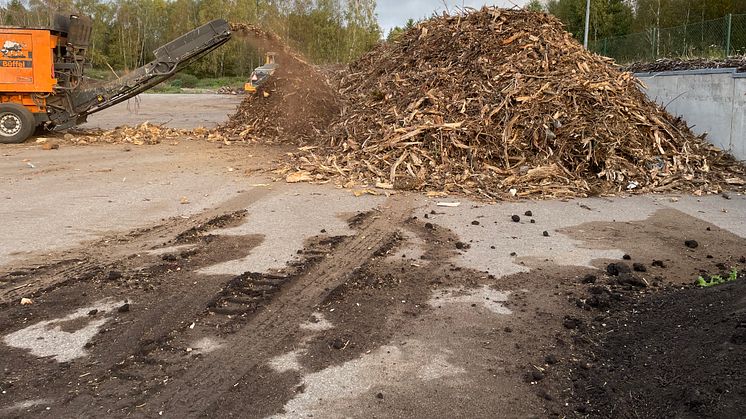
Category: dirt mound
[678,354]
[666,64]
[295,104]
[505,102]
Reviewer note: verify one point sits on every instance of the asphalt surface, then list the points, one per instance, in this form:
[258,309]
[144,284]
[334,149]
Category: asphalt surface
[57,198]
[185,110]
[74,194]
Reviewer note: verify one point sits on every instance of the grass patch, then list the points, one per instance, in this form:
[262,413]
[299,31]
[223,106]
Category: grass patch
[99,74]
[218,82]
[717,279]
[178,83]
[165,88]
[187,81]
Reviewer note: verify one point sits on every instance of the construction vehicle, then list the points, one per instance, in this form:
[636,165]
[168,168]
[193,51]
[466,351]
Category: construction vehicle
[42,82]
[261,74]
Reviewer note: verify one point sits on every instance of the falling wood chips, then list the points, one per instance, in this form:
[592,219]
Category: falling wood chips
[497,100]
[295,104]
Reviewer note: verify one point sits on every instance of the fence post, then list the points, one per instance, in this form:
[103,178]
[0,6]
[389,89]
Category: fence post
[652,43]
[729,20]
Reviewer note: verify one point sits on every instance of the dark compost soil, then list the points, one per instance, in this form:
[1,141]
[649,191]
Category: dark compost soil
[679,353]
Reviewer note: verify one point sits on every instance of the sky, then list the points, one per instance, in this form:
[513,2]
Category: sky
[396,12]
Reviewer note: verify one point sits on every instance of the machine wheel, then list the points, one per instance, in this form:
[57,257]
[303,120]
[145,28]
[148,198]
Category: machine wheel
[16,123]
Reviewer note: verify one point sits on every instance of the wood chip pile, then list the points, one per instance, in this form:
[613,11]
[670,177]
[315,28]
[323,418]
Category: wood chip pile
[499,103]
[666,64]
[296,103]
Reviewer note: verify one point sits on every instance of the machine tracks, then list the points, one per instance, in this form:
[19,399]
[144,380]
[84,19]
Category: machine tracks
[201,387]
[45,272]
[255,316]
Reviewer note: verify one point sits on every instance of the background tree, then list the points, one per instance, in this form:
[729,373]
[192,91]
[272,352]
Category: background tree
[667,13]
[397,31]
[535,5]
[127,31]
[608,17]
[621,17]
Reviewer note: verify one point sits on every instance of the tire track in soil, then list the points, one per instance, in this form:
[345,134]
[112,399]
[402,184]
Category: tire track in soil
[143,363]
[87,267]
[194,392]
[47,271]
[153,316]
[41,278]
[379,281]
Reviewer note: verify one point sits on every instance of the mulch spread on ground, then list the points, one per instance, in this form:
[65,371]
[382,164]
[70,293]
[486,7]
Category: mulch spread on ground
[667,64]
[499,103]
[679,353]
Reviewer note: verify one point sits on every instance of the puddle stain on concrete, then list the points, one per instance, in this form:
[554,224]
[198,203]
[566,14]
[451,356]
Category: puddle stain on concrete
[488,297]
[503,247]
[335,389]
[57,339]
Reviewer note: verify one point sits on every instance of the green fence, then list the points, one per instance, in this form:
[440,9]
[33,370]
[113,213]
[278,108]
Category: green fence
[716,38]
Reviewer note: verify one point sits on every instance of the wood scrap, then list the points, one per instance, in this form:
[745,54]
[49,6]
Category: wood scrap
[142,134]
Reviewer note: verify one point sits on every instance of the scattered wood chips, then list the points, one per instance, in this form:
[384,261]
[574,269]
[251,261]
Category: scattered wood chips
[143,134]
[668,64]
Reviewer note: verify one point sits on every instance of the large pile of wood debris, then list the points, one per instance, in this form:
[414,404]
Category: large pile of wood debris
[505,102]
[296,103]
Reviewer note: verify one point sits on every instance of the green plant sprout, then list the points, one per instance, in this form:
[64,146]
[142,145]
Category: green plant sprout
[717,279]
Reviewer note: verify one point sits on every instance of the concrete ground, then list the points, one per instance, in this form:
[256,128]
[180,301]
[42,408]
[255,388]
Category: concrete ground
[70,195]
[77,194]
[372,306]
[185,110]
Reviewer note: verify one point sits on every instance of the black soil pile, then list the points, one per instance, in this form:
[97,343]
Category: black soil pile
[667,64]
[674,354]
[505,102]
[296,104]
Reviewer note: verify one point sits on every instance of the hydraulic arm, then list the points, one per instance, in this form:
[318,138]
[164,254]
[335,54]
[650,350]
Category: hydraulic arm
[72,106]
[31,95]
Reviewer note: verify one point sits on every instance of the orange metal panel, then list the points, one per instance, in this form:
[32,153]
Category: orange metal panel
[26,62]
[15,60]
[35,105]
